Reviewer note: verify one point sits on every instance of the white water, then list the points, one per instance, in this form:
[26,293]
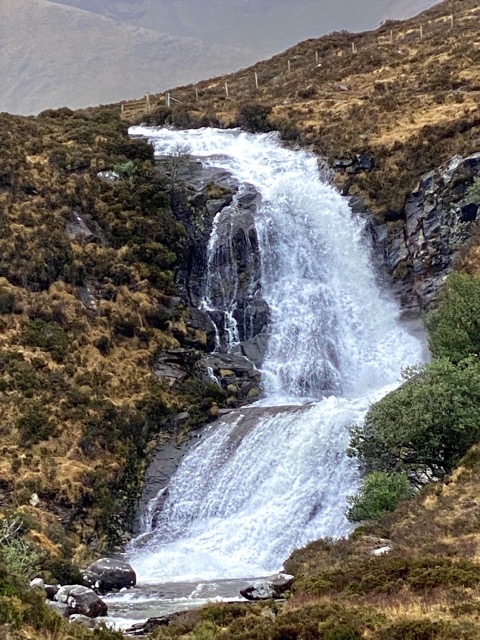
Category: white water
[268,481]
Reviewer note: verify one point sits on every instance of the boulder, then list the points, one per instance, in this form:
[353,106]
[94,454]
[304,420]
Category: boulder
[37,583]
[81,600]
[112,575]
[89,579]
[273,588]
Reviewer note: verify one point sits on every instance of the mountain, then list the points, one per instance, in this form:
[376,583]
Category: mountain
[263,26]
[54,55]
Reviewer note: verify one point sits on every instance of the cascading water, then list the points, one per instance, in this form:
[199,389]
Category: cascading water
[275,476]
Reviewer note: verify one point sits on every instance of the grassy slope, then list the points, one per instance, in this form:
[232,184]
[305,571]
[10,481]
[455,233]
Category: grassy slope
[412,104]
[431,576]
[79,402]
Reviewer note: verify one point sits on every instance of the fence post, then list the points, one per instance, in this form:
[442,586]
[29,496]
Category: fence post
[421,32]
[452,21]
[147,103]
[289,67]
[391,36]
[168,101]
[196,94]
[256,80]
[122,110]
[316,57]
[354,48]
[226,89]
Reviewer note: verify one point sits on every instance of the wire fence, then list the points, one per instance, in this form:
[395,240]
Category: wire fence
[262,78]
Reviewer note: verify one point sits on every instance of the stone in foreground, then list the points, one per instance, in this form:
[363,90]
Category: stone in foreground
[267,589]
[81,600]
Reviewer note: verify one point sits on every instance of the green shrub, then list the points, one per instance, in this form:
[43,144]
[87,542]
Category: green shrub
[425,630]
[473,193]
[454,328]
[391,574]
[7,301]
[334,630]
[35,425]
[380,492]
[64,572]
[254,117]
[48,336]
[17,554]
[426,426]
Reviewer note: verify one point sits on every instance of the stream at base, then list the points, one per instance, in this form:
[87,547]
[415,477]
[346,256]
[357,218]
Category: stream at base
[269,478]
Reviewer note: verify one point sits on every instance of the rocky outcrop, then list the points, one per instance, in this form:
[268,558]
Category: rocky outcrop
[419,252]
[220,279]
[235,374]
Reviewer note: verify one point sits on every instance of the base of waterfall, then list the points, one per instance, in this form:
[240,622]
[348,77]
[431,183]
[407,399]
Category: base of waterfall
[164,599]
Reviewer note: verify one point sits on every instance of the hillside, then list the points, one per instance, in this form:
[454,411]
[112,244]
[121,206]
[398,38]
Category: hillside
[89,300]
[101,60]
[411,104]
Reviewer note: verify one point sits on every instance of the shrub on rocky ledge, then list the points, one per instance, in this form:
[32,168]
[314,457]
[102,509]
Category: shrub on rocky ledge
[380,492]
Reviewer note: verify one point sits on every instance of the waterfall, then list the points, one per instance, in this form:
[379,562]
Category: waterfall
[274,476]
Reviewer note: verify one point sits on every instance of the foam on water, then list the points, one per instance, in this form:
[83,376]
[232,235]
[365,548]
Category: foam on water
[254,489]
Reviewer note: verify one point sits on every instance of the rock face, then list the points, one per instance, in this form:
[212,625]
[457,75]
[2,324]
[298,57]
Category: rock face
[112,575]
[81,600]
[418,253]
[235,374]
[220,280]
[267,589]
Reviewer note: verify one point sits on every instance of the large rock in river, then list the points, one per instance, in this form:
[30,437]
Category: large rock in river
[111,575]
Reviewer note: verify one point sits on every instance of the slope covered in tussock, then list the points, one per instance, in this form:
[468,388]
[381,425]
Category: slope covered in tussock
[410,102]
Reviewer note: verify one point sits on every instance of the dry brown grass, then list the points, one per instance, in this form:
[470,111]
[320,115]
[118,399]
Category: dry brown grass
[412,103]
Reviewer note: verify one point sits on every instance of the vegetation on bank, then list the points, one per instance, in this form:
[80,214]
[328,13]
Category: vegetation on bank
[409,103]
[419,433]
[87,299]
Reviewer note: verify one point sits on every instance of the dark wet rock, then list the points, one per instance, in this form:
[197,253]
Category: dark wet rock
[89,578]
[165,461]
[51,590]
[78,230]
[254,349]
[201,328]
[144,628]
[174,365]
[360,163]
[235,374]
[81,600]
[267,589]
[112,575]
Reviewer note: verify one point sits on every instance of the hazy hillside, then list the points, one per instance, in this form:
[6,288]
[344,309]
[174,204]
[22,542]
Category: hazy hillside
[54,55]
[265,26]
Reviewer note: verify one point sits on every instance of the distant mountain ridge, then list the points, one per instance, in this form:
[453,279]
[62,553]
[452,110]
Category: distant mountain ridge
[54,55]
